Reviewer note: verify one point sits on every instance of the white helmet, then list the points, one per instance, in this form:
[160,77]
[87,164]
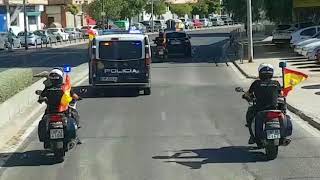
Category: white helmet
[265,71]
[56,76]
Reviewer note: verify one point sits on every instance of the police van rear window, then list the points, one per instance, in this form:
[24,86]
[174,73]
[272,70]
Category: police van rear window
[120,50]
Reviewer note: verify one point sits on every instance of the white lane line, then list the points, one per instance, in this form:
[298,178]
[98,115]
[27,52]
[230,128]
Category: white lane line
[163,116]
[30,129]
[235,69]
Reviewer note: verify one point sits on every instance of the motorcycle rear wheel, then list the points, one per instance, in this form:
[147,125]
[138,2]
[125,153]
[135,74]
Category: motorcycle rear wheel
[59,155]
[271,152]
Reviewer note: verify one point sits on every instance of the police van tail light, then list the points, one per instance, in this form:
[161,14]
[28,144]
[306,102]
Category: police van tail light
[148,59]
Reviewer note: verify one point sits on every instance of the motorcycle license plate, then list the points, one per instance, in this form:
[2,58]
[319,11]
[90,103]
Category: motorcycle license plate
[273,134]
[175,42]
[56,134]
[109,79]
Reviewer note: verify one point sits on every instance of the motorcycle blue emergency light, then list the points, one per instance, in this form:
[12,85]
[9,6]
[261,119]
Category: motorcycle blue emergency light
[283,64]
[67,68]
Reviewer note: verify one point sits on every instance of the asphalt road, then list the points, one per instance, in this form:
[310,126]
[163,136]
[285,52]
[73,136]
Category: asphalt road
[190,128]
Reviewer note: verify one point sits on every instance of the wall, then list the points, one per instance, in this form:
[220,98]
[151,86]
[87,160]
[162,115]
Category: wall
[55,12]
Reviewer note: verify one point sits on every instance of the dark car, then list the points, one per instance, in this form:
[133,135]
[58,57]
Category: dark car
[177,43]
[46,36]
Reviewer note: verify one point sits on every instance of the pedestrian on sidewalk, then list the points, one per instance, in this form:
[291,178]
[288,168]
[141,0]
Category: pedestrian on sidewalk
[10,39]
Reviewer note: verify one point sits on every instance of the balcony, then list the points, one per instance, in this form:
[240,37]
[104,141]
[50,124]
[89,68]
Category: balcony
[59,2]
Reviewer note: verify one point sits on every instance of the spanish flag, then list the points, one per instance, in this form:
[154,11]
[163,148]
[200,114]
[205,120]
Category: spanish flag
[66,97]
[291,79]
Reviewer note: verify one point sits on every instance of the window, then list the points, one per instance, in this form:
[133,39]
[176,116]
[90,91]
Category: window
[308,32]
[32,20]
[114,50]
[176,35]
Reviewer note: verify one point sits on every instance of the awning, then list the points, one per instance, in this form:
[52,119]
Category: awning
[90,21]
[306,3]
[33,13]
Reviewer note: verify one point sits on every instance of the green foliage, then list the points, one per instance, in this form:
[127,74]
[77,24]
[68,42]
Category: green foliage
[200,8]
[181,9]
[112,8]
[73,9]
[159,7]
[279,11]
[130,8]
[214,6]
[13,81]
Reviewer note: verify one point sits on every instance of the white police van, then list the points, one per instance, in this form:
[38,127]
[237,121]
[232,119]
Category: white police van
[121,59]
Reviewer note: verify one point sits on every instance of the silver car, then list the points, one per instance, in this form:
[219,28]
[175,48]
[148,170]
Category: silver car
[31,38]
[74,33]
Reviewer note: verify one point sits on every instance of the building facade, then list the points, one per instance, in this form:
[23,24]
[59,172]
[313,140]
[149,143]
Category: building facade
[306,10]
[12,16]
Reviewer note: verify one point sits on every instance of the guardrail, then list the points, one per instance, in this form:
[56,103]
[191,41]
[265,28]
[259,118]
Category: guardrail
[234,49]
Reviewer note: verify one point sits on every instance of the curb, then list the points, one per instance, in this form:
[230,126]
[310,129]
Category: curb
[291,108]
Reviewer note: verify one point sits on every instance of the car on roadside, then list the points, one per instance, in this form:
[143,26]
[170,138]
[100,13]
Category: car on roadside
[206,22]
[46,37]
[303,42]
[16,40]
[110,67]
[217,21]
[282,33]
[32,38]
[177,43]
[139,26]
[197,23]
[188,24]
[147,24]
[85,30]
[61,35]
[74,33]
[303,34]
[226,20]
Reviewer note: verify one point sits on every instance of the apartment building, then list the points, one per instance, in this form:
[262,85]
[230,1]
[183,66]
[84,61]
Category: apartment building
[12,16]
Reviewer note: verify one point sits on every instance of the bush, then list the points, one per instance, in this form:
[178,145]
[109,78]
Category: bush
[13,81]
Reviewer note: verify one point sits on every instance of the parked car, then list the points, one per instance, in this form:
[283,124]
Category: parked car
[311,54]
[85,30]
[61,35]
[197,23]
[32,38]
[16,40]
[303,34]
[177,43]
[74,33]
[188,24]
[217,21]
[206,22]
[282,34]
[303,42]
[226,20]
[46,36]
[147,24]
[139,26]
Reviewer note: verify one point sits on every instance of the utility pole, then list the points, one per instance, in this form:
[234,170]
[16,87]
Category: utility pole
[249,31]
[152,24]
[25,25]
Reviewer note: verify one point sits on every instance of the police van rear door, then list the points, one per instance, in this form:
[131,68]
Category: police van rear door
[121,61]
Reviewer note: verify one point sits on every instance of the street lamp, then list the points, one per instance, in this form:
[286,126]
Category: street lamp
[25,25]
[249,29]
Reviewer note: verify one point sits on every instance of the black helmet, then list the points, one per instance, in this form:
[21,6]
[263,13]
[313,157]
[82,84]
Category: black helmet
[56,77]
[265,71]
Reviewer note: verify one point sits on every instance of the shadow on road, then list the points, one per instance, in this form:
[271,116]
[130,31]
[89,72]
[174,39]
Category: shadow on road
[231,154]
[28,158]
[90,92]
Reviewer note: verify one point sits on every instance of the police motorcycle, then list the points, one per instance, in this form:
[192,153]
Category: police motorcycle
[271,128]
[58,131]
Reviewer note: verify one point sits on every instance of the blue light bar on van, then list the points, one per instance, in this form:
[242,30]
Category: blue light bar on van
[135,32]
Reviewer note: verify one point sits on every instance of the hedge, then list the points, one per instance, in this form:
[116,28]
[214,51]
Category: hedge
[13,81]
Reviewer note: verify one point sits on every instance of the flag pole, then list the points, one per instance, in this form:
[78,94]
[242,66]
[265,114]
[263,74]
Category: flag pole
[283,65]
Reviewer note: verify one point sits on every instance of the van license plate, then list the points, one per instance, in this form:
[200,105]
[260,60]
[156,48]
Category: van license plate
[109,79]
[273,134]
[56,134]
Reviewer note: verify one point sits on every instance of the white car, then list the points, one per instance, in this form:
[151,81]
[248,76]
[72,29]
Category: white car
[312,54]
[282,34]
[206,22]
[307,41]
[60,33]
[304,34]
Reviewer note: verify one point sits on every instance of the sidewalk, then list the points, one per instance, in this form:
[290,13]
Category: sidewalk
[304,100]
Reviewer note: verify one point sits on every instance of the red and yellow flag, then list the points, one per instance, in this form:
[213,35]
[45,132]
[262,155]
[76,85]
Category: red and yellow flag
[291,79]
[66,97]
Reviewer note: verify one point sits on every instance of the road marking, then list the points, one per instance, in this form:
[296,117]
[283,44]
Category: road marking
[28,131]
[163,116]
[235,69]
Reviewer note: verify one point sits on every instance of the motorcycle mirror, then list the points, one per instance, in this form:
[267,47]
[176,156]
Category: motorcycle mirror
[38,92]
[83,90]
[239,89]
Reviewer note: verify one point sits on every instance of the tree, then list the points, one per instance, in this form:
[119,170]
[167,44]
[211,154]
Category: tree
[130,8]
[214,6]
[74,10]
[279,11]
[200,8]
[159,7]
[111,8]
[181,9]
